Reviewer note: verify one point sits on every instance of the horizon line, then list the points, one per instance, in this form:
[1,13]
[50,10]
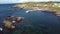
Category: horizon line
[29,1]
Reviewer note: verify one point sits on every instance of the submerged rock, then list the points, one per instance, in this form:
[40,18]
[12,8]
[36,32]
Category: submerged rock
[1,32]
[57,14]
[49,11]
[9,18]
[18,19]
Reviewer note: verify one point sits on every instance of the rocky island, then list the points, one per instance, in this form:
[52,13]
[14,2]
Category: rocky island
[9,23]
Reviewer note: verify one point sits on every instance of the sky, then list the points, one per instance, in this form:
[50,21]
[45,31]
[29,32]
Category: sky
[22,1]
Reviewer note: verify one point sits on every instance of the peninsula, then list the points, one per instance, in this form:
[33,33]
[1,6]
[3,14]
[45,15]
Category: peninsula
[46,6]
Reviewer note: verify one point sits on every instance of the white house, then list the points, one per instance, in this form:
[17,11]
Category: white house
[56,5]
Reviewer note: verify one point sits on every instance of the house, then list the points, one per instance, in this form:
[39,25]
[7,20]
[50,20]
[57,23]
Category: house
[56,5]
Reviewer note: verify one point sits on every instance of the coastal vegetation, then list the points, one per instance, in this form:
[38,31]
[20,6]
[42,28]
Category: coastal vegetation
[50,6]
[42,5]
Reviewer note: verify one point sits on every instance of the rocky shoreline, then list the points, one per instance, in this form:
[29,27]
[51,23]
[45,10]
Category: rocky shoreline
[49,11]
[53,11]
[43,10]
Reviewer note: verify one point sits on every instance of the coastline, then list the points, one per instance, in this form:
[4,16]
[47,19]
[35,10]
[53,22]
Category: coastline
[55,12]
[43,10]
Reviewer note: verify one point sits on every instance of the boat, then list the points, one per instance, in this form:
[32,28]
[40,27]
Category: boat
[27,11]
[1,29]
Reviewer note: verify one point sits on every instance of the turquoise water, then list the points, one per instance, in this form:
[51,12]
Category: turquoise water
[33,23]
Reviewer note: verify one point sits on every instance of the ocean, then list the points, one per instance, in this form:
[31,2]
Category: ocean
[32,23]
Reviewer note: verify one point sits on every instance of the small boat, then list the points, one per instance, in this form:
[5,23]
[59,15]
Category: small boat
[27,11]
[1,29]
